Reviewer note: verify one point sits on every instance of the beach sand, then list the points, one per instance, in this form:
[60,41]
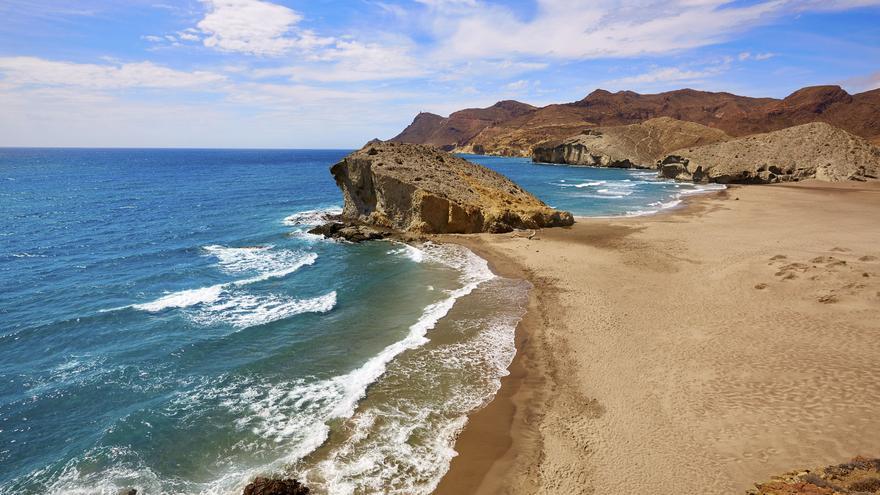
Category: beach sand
[694,351]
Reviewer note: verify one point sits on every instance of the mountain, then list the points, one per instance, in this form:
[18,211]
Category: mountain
[736,115]
[457,129]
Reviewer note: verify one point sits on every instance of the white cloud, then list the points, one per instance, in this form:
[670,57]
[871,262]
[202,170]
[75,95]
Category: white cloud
[755,56]
[584,29]
[248,26]
[32,71]
[663,75]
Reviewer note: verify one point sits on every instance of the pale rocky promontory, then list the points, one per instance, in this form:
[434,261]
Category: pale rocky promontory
[628,146]
[810,151]
[418,189]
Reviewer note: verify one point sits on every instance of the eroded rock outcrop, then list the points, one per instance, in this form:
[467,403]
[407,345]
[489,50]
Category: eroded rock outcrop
[858,476]
[628,146]
[809,151]
[392,187]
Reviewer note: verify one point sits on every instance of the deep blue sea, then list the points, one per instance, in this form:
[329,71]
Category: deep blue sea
[166,324]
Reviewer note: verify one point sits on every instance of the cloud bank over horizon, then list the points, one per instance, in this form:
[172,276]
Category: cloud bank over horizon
[260,73]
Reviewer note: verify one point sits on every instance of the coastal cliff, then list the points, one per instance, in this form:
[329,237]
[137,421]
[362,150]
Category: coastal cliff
[809,151]
[628,146]
[418,189]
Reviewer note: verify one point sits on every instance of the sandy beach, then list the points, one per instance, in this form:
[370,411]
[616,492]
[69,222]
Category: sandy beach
[695,351]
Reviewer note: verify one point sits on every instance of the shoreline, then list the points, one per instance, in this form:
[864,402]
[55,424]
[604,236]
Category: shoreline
[515,443]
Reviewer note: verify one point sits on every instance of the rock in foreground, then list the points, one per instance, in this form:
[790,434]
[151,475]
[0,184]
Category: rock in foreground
[628,146]
[809,151]
[859,476]
[271,486]
[418,189]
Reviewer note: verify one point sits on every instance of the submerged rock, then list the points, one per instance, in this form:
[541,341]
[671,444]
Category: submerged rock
[809,151]
[419,189]
[272,486]
[628,146]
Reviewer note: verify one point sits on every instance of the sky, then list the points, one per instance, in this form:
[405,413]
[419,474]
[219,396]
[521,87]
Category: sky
[334,74]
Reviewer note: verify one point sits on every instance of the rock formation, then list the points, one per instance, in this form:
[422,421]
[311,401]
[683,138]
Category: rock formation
[272,486]
[419,189]
[516,133]
[859,476]
[809,151]
[627,146]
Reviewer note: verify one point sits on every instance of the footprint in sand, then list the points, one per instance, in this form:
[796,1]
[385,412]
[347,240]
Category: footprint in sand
[868,258]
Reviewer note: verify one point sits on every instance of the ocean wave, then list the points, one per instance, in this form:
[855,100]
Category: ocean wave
[411,252]
[246,310]
[312,217]
[182,299]
[404,446]
[232,260]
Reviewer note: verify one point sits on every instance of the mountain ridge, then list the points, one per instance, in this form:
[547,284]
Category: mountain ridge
[517,130]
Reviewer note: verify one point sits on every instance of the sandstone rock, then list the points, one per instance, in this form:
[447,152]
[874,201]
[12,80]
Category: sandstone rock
[809,151]
[627,146]
[271,486]
[418,189]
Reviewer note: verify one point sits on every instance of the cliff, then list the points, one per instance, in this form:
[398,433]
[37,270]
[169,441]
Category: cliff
[627,146]
[518,134]
[418,189]
[809,151]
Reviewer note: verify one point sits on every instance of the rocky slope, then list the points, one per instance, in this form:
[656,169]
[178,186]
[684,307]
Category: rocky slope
[419,189]
[859,476]
[808,151]
[627,146]
[733,114]
[460,127]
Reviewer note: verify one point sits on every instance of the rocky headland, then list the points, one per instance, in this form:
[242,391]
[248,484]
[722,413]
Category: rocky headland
[628,146]
[391,188]
[810,151]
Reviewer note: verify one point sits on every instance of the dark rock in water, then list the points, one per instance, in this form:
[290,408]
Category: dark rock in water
[127,491]
[271,486]
[350,232]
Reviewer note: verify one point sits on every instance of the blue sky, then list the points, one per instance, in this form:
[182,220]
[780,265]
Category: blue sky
[334,74]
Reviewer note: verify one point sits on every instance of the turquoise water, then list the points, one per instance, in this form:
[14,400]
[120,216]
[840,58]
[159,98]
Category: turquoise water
[589,191]
[166,324]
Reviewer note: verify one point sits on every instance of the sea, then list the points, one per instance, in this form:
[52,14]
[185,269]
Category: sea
[167,324]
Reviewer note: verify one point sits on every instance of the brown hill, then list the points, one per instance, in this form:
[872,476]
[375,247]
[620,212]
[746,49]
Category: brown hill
[626,146]
[736,115]
[457,129]
[809,151]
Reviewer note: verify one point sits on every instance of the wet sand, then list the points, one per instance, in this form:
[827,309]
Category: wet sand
[695,351]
